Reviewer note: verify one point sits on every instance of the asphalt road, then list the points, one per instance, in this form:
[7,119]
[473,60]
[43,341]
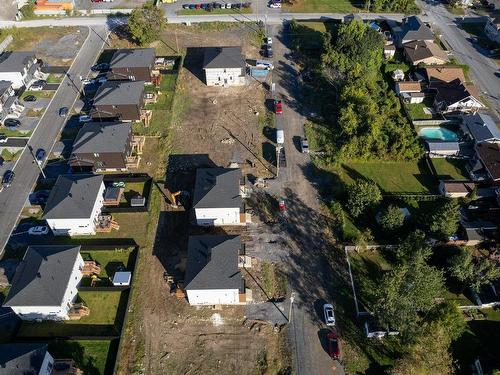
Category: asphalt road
[13,198]
[482,68]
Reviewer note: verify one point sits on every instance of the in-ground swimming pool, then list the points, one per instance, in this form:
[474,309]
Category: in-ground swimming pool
[438,133]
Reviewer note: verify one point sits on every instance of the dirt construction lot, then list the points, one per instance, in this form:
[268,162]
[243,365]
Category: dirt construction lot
[217,126]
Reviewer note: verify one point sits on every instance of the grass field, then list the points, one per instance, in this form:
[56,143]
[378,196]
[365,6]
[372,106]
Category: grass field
[416,111]
[38,94]
[323,6]
[450,169]
[110,260]
[201,12]
[397,177]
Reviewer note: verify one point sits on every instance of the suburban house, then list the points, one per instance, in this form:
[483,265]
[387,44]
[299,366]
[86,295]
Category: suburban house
[489,155]
[21,68]
[444,74]
[213,276]
[25,358]
[218,197]
[389,51]
[492,28]
[412,29]
[74,204]
[440,149]
[9,103]
[477,232]
[481,128]
[456,96]
[410,91]
[105,147]
[424,52]
[45,283]
[135,64]
[120,100]
[224,66]
[455,189]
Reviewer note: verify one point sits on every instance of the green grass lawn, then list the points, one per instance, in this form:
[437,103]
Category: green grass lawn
[54,78]
[94,357]
[110,260]
[397,177]
[201,12]
[322,6]
[10,156]
[47,94]
[416,111]
[14,133]
[103,307]
[450,169]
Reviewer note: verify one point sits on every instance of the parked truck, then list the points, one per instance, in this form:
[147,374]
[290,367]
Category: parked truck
[280,136]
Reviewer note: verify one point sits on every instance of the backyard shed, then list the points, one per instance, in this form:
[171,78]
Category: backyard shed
[122,278]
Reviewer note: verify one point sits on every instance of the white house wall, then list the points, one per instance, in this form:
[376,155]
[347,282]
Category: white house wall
[465,104]
[15,77]
[217,216]
[225,77]
[213,297]
[47,364]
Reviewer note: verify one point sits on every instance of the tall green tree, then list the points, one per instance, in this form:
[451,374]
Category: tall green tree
[146,23]
[361,196]
[473,271]
[392,218]
[444,221]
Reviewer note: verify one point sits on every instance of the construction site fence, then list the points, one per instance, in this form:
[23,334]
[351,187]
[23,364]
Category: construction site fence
[108,244]
[55,338]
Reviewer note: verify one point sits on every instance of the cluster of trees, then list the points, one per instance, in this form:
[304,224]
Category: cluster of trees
[368,119]
[405,6]
[145,24]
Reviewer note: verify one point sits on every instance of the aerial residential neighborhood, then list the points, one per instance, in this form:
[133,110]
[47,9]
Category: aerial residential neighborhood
[266,187]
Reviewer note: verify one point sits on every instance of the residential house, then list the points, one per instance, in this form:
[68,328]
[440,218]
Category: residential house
[424,52]
[45,283]
[477,232]
[9,104]
[444,74]
[492,28]
[120,100]
[389,51]
[135,64]
[224,66]
[455,189]
[489,155]
[440,149]
[412,29]
[74,204]
[212,273]
[218,197]
[410,91]
[21,68]
[102,147]
[481,128]
[25,358]
[456,96]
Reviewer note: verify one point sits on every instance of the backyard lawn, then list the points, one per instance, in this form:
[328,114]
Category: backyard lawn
[397,177]
[450,169]
[110,260]
[416,111]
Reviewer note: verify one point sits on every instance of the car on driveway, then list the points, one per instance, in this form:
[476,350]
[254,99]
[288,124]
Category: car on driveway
[304,145]
[269,40]
[40,155]
[281,205]
[63,111]
[99,67]
[278,106]
[329,315]
[7,179]
[333,345]
[185,6]
[275,5]
[30,98]
[3,138]
[38,85]
[84,118]
[41,230]
[12,123]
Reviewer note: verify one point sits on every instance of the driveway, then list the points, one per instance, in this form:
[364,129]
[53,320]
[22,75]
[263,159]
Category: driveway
[28,124]
[40,103]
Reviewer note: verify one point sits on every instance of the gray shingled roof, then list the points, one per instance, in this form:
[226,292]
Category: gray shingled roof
[212,263]
[73,197]
[119,92]
[223,57]
[22,358]
[442,146]
[133,58]
[217,188]
[4,86]
[15,61]
[102,137]
[414,29]
[42,277]
[482,127]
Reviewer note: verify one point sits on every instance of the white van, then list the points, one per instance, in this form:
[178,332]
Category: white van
[280,136]
[264,64]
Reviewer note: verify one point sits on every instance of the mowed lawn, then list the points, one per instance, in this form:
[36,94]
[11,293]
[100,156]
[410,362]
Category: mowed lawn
[110,260]
[392,177]
[450,169]
[323,6]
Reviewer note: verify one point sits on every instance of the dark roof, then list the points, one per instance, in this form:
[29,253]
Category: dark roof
[15,61]
[489,153]
[223,57]
[119,92]
[133,58]
[217,188]
[442,146]
[421,49]
[22,358]
[102,137]
[212,263]
[4,86]
[42,277]
[444,73]
[73,197]
[454,91]
[414,29]
[482,127]
[458,186]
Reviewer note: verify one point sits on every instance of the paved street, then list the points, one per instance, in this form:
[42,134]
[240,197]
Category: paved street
[482,68]
[12,199]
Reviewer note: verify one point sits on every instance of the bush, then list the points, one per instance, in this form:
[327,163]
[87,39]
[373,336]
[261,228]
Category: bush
[361,196]
[392,218]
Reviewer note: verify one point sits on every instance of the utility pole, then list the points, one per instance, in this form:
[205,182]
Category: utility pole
[278,151]
[36,161]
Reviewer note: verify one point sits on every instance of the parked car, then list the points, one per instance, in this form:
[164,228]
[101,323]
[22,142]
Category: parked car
[217,5]
[30,98]
[8,177]
[39,197]
[304,145]
[41,230]
[281,205]
[333,345]
[197,6]
[204,6]
[275,5]
[246,5]
[269,40]
[228,5]
[86,81]
[40,155]
[185,6]
[278,107]
[63,111]
[11,123]
[329,315]
[38,85]
[237,6]
[192,6]
[100,67]
[84,118]
[268,51]
[3,138]
[2,160]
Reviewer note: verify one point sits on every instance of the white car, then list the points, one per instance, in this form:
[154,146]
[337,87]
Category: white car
[84,118]
[36,87]
[329,316]
[228,6]
[86,81]
[269,40]
[38,231]
[275,5]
